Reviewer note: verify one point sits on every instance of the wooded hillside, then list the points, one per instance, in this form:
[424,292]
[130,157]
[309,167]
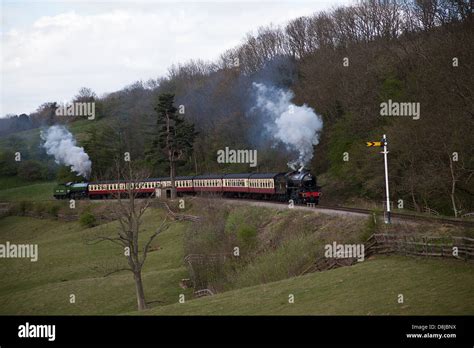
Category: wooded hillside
[343,64]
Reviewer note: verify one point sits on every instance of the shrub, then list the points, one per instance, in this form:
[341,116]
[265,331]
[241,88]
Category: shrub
[288,260]
[23,207]
[31,170]
[247,236]
[53,209]
[370,227]
[88,219]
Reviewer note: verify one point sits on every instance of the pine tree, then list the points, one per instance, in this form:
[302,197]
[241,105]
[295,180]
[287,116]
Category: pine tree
[175,136]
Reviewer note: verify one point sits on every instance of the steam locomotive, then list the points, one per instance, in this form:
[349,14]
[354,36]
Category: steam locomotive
[299,186]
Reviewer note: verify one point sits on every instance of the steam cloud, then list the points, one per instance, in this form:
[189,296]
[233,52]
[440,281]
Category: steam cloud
[298,127]
[60,143]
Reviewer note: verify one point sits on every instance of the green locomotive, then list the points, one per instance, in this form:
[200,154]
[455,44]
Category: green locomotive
[74,190]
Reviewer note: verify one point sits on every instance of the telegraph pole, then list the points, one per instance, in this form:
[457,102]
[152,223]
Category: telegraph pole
[387,194]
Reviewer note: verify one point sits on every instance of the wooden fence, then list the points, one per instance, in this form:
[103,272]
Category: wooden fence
[436,246]
[382,243]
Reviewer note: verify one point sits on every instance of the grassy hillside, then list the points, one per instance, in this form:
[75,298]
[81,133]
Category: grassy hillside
[429,287]
[67,265]
[31,137]
[40,191]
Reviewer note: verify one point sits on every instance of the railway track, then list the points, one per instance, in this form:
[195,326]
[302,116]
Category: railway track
[396,216]
[368,212]
[405,216]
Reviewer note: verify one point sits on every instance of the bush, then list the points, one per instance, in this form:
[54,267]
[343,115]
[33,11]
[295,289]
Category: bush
[24,206]
[64,174]
[8,166]
[53,209]
[247,236]
[288,260]
[32,170]
[371,226]
[88,219]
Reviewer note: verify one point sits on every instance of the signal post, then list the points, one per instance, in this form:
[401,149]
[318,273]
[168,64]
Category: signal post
[385,157]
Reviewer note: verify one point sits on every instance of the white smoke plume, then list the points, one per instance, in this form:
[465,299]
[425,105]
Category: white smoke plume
[60,143]
[298,127]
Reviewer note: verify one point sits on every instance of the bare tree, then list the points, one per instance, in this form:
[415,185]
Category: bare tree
[128,210]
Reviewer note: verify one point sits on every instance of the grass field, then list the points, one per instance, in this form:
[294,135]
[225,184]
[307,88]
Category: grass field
[31,137]
[40,191]
[68,266]
[429,287]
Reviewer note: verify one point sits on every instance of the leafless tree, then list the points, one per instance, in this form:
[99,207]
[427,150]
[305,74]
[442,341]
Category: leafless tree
[128,209]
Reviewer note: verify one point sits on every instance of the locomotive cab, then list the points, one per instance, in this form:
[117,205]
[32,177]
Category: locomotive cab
[302,187]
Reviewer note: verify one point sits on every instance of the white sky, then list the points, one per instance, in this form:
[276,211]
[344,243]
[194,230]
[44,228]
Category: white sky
[50,49]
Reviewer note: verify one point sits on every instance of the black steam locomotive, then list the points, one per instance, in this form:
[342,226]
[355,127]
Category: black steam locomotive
[298,186]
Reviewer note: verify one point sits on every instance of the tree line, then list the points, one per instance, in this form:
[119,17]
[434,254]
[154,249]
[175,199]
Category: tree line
[343,63]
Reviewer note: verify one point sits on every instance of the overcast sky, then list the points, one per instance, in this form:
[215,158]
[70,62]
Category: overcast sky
[50,49]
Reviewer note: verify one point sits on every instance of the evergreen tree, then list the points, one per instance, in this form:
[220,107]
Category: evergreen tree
[174,138]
